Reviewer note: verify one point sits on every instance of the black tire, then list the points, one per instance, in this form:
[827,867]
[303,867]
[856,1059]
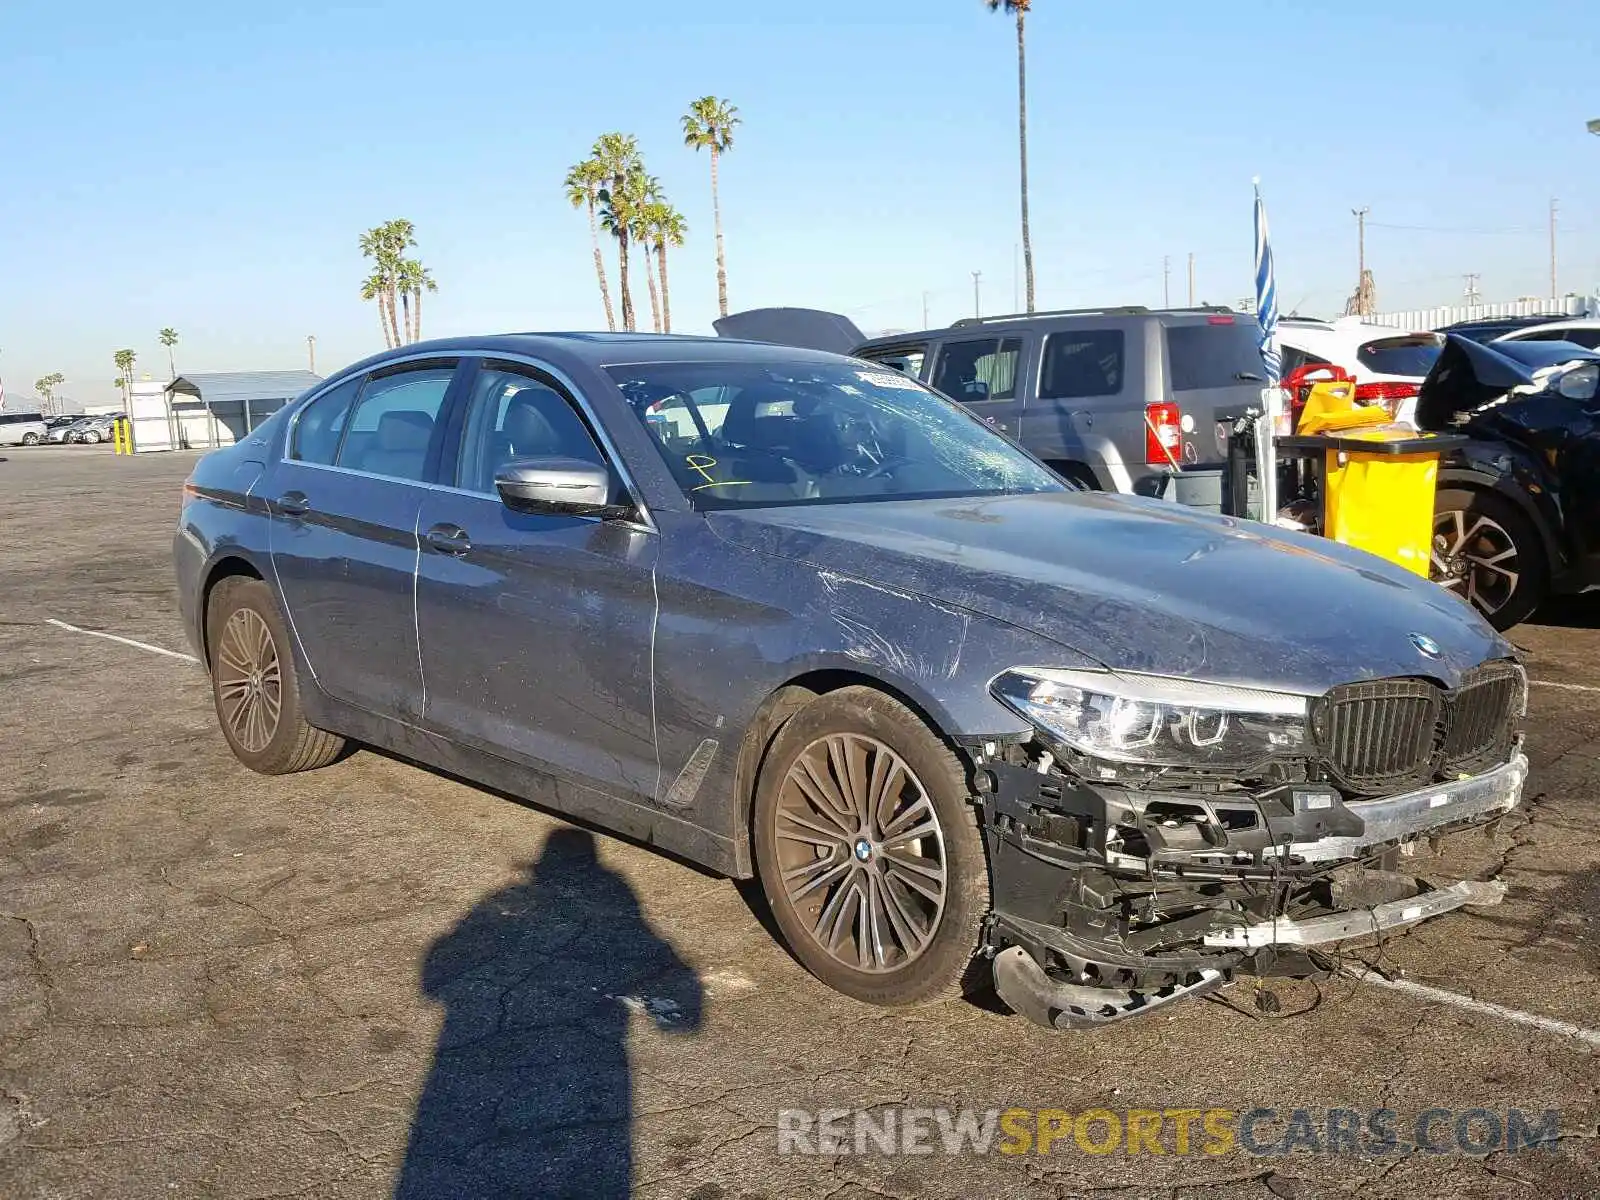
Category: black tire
[285,743]
[1075,472]
[30,439]
[933,780]
[1473,526]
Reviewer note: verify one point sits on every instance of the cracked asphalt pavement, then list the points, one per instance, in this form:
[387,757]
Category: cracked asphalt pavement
[374,980]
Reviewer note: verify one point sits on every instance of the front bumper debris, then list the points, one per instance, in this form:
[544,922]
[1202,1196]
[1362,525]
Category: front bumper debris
[1023,985]
[1112,899]
[1396,818]
[1336,927]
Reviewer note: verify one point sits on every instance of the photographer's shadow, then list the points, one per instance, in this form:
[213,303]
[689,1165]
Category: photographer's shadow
[530,1092]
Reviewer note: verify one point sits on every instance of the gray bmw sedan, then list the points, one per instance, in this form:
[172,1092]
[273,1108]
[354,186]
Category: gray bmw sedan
[794,616]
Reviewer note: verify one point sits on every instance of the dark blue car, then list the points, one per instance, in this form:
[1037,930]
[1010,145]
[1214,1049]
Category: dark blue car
[795,616]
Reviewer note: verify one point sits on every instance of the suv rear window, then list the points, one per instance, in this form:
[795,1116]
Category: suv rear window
[1400,355]
[1086,362]
[1214,356]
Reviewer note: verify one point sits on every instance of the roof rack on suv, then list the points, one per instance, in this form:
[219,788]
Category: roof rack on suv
[1122,310]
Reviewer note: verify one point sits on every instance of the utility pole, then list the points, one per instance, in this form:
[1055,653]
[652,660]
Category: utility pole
[1360,215]
[311,350]
[1471,294]
[1555,294]
[1166,281]
[1191,279]
[977,304]
[925,310]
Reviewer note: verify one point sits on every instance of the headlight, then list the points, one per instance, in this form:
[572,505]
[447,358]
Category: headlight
[1154,721]
[1580,383]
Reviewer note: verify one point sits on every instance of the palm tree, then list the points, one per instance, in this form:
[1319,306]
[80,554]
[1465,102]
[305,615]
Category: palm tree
[648,194]
[169,339]
[665,227]
[421,281]
[386,245]
[583,184]
[376,288]
[413,279]
[124,359]
[710,122]
[1020,9]
[47,386]
[619,155]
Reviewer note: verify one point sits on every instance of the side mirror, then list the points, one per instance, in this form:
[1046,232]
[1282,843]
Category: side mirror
[558,485]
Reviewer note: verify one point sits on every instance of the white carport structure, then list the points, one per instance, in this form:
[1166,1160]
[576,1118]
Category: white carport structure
[202,411]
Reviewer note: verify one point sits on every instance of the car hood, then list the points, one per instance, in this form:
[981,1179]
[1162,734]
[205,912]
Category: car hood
[1143,585]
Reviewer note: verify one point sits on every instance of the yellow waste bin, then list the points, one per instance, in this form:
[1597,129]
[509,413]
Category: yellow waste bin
[1378,490]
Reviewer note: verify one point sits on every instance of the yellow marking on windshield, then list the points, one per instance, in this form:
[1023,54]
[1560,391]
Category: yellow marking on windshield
[701,465]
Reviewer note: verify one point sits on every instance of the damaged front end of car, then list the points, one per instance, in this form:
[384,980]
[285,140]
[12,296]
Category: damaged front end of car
[1155,838]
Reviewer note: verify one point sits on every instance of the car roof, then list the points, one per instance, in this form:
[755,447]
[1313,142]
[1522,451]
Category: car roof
[1066,318]
[596,350]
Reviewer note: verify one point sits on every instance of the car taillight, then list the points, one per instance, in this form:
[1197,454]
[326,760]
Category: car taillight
[1163,435]
[1388,395]
[1378,393]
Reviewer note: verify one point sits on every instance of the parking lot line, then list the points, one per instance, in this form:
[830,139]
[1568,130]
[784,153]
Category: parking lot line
[1565,687]
[111,637]
[1439,996]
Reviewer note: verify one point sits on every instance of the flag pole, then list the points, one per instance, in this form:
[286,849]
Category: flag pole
[1271,362]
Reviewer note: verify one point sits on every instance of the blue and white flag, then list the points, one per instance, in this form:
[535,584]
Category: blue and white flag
[1266,295]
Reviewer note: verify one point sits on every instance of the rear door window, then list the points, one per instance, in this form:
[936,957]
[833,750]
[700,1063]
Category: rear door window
[978,370]
[1222,353]
[1082,363]
[1413,356]
[393,425]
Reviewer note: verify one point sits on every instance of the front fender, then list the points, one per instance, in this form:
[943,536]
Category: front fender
[1518,478]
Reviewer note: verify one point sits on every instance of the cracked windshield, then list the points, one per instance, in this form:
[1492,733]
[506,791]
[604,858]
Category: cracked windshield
[742,435]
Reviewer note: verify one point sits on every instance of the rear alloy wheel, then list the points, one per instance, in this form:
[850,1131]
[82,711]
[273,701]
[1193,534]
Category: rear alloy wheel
[1489,553]
[255,686]
[92,437]
[30,439]
[868,849]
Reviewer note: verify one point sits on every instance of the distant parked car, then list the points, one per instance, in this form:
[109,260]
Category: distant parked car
[22,429]
[1388,365]
[1579,331]
[1486,329]
[63,419]
[1130,399]
[64,430]
[1518,507]
[91,430]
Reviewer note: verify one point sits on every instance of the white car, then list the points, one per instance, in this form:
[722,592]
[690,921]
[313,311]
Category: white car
[1579,331]
[1387,364]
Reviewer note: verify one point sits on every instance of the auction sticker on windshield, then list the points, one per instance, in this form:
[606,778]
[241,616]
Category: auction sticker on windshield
[888,379]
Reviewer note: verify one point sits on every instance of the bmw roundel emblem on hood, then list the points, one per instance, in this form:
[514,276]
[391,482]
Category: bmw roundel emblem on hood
[1425,645]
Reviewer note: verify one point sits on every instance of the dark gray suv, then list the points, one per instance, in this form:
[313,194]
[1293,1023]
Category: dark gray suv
[1126,399]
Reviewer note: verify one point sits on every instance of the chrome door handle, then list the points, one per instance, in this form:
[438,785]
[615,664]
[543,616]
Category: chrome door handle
[449,539]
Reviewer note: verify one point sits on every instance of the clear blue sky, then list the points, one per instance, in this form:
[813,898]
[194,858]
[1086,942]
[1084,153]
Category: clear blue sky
[180,163]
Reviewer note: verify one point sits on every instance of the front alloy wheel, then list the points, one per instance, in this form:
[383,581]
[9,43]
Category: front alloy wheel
[1489,554]
[868,849]
[862,852]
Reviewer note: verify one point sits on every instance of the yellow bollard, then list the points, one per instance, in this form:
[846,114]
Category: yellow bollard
[121,436]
